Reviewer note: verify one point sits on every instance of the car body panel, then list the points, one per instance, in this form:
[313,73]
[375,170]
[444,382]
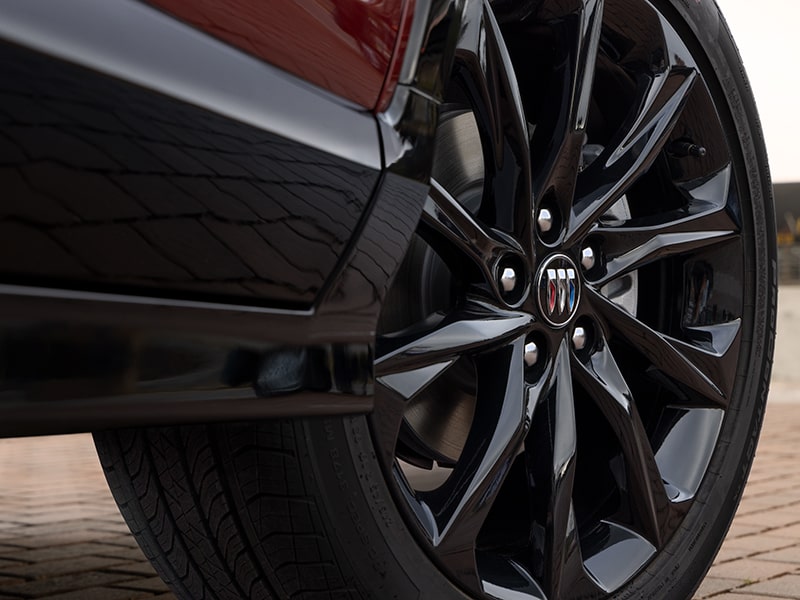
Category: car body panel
[346,47]
[137,43]
[191,234]
[115,188]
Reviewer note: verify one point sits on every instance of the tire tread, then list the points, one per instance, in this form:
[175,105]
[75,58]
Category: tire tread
[217,508]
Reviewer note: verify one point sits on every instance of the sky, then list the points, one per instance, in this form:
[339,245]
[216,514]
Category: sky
[769,40]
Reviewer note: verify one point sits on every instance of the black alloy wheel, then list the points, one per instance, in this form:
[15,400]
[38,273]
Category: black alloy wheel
[566,338]
[571,364]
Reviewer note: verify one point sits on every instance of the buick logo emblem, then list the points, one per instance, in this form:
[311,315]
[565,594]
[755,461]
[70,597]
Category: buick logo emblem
[557,289]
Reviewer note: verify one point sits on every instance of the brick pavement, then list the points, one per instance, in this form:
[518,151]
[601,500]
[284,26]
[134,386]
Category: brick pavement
[761,554]
[61,537]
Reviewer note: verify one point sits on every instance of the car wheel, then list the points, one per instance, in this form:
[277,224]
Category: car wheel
[571,365]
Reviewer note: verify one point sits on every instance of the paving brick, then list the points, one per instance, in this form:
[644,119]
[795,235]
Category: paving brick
[10,562]
[713,585]
[770,519]
[63,566]
[738,529]
[124,541]
[728,554]
[143,568]
[65,583]
[786,555]
[787,586]
[751,569]
[758,543]
[7,581]
[73,550]
[130,553]
[150,584]
[793,531]
[62,539]
[736,595]
[100,593]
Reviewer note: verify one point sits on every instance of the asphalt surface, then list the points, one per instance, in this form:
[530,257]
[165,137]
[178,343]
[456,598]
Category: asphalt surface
[61,537]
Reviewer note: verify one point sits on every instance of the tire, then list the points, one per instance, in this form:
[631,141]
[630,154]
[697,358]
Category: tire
[528,460]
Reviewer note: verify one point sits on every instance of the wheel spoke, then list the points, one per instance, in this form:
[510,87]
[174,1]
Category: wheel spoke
[710,190]
[591,26]
[550,451]
[477,327]
[705,222]
[717,339]
[649,244]
[443,215]
[386,421]
[605,181]
[715,352]
[661,245]
[601,378]
[460,506]
[700,370]
[562,154]
[410,383]
[486,70]
[508,579]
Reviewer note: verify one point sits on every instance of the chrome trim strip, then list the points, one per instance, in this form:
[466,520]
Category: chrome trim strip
[419,27]
[67,294]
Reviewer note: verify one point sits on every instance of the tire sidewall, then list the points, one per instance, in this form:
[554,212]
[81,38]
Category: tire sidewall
[679,568]
[385,557]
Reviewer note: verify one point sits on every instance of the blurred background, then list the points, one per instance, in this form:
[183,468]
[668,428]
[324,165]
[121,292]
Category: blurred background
[766,34]
[768,40]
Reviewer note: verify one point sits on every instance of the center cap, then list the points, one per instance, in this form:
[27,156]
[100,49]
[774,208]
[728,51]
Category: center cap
[557,289]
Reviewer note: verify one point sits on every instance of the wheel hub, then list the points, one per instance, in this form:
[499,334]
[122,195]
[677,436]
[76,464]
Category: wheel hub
[557,289]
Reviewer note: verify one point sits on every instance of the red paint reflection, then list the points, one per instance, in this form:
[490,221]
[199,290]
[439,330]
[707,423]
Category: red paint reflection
[344,46]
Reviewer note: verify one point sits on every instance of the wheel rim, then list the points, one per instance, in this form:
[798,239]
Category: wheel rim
[561,344]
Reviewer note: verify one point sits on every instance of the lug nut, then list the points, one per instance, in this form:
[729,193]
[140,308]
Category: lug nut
[531,355]
[579,338]
[544,220]
[508,279]
[587,258]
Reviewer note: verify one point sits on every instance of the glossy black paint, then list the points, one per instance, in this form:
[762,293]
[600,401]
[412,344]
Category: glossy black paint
[110,187]
[166,263]
[138,43]
[61,375]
